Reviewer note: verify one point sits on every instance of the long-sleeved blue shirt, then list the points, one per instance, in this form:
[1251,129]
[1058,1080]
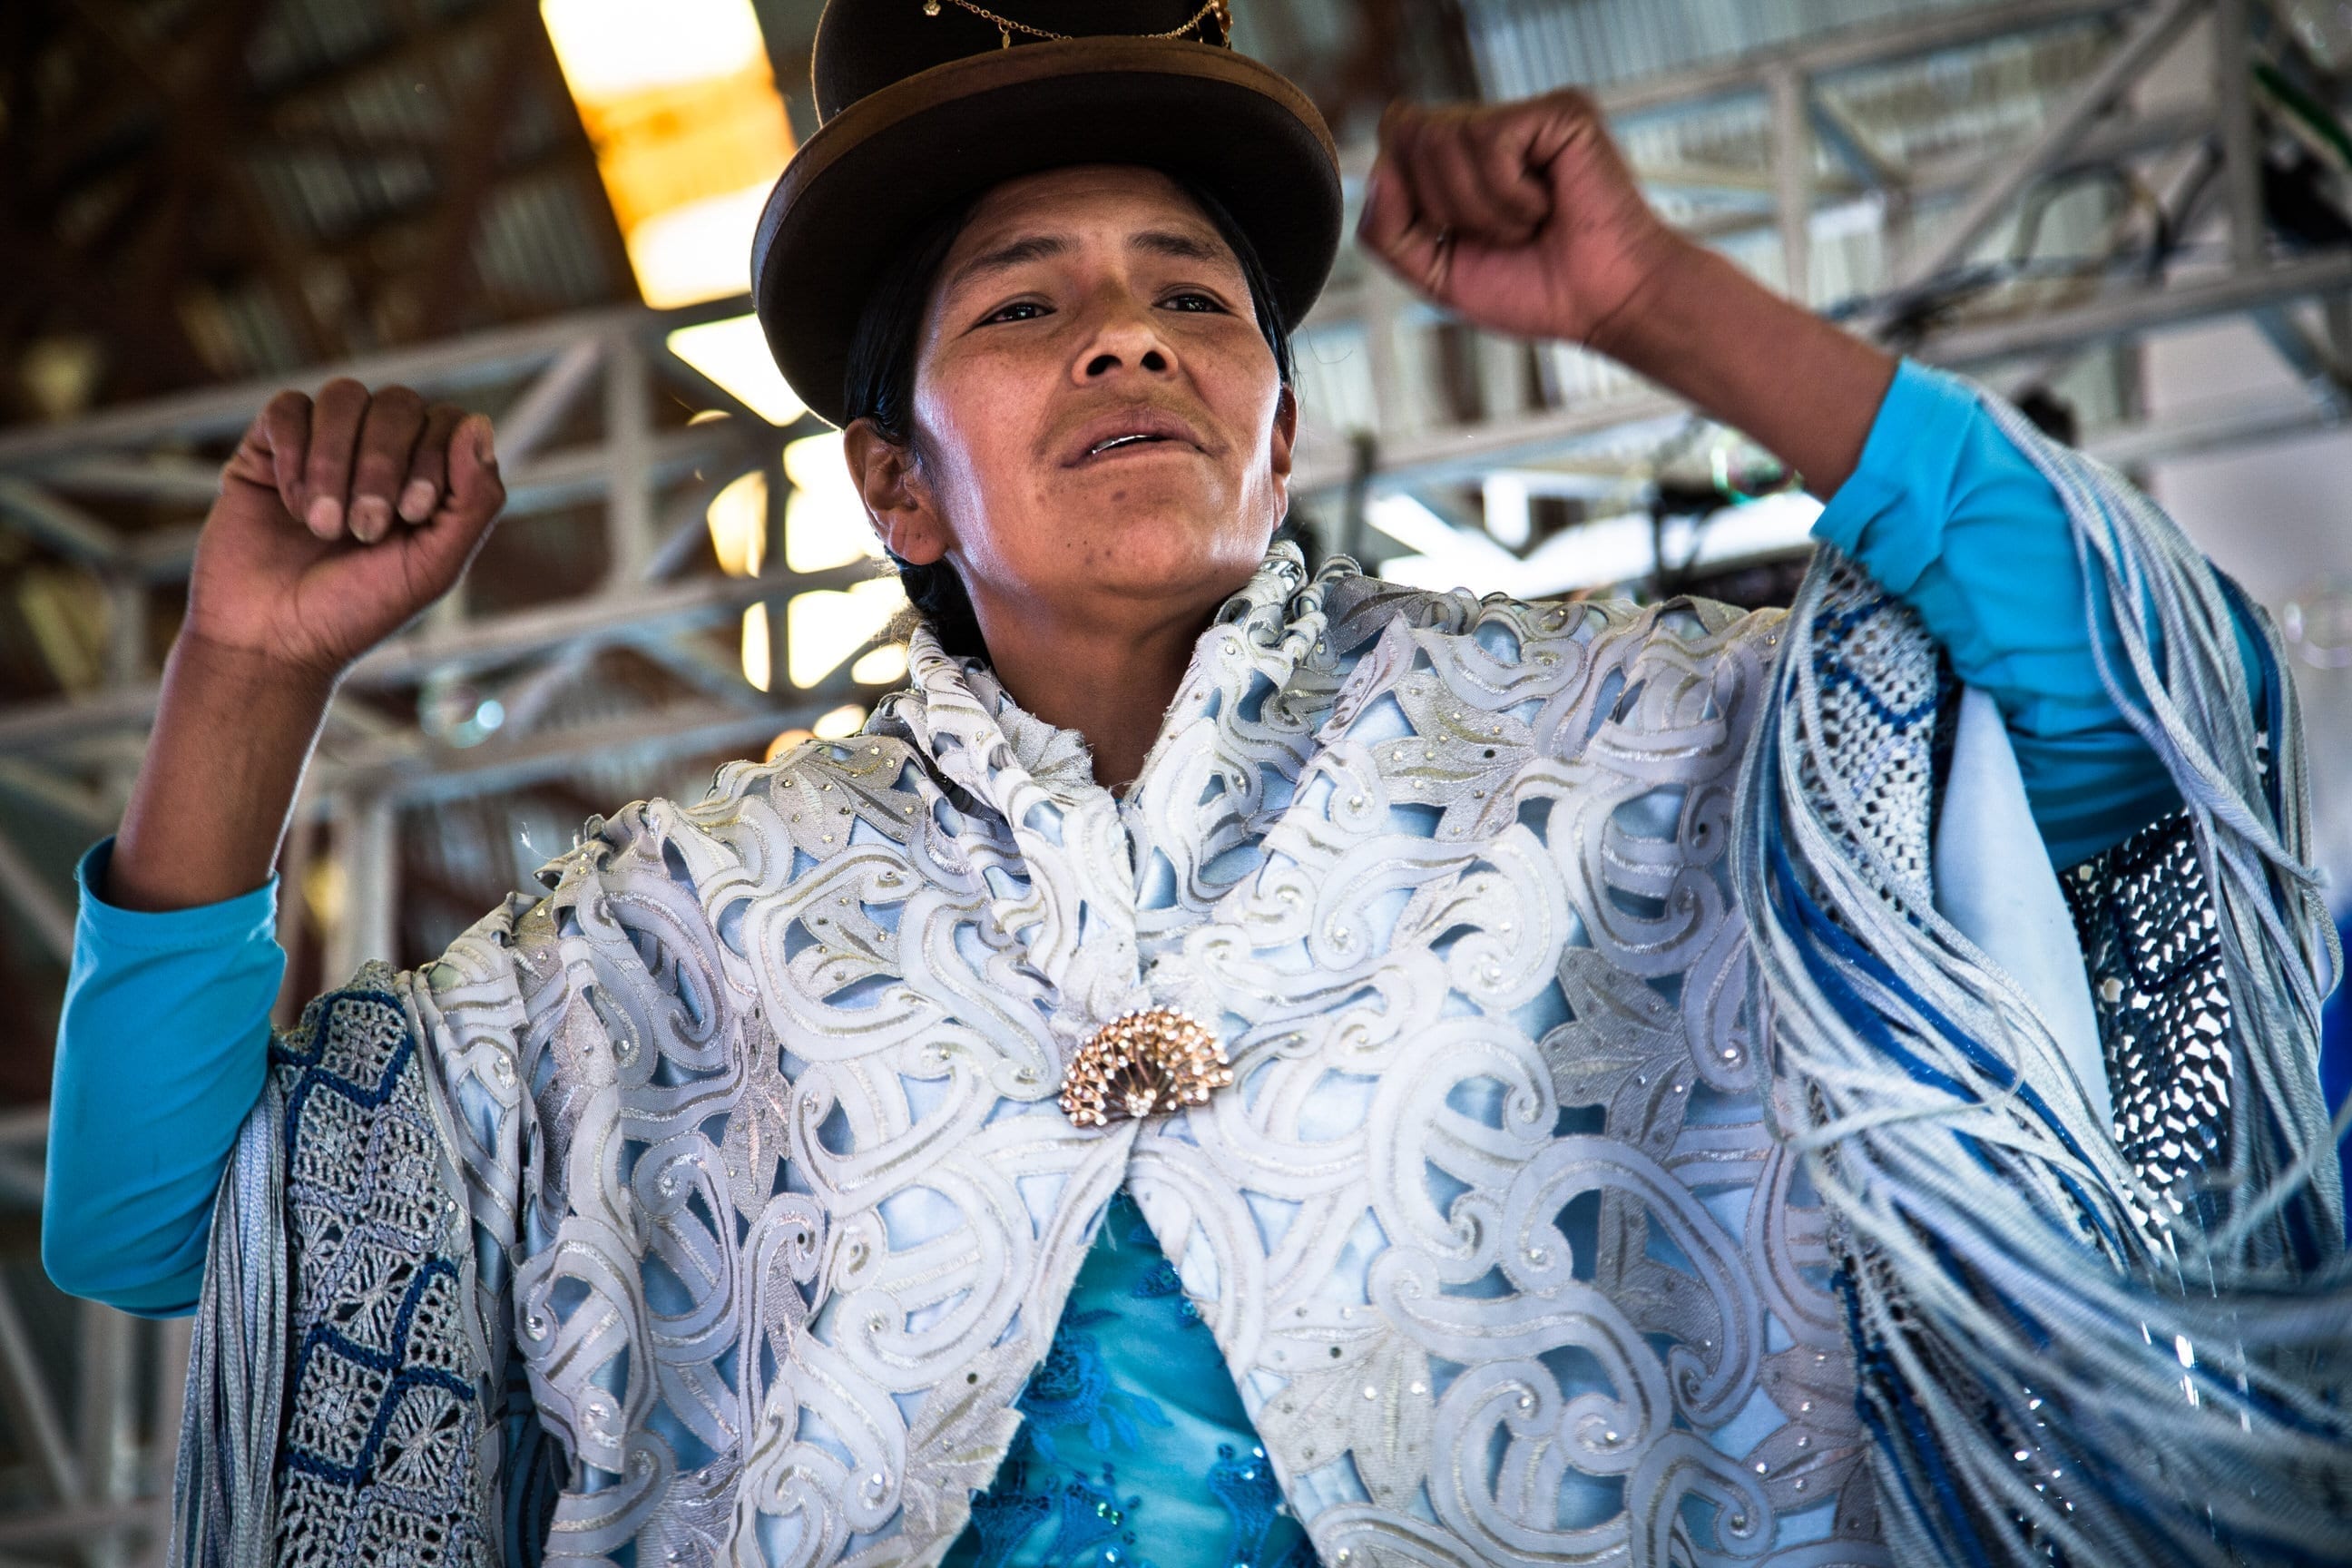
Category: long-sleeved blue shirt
[162,1045]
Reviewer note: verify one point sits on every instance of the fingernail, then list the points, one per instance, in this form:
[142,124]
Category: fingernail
[483,448]
[325,517]
[416,499]
[371,519]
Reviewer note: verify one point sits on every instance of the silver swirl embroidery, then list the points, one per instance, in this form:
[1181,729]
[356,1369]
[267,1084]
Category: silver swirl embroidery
[772,1200]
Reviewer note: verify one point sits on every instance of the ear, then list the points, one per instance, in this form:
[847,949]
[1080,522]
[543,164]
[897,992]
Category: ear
[1282,447]
[898,503]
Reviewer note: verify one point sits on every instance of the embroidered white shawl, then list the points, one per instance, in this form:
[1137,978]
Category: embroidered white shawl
[756,1108]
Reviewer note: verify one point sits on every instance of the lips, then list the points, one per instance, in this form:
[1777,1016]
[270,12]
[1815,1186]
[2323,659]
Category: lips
[1128,430]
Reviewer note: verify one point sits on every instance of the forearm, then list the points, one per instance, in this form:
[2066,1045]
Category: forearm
[1706,331]
[233,733]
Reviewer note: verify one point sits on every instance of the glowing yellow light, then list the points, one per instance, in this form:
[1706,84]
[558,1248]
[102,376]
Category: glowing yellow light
[738,525]
[326,889]
[701,250]
[757,654]
[823,627]
[844,720]
[734,353]
[814,462]
[690,132]
[785,743]
[883,666]
[825,523]
[610,48]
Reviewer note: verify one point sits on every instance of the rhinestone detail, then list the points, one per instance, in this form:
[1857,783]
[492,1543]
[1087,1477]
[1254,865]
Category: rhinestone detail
[1141,1064]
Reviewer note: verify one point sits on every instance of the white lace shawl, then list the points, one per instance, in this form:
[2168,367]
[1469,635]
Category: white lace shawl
[770,1201]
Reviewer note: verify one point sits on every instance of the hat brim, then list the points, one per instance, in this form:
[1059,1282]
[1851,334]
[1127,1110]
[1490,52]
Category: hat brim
[850,199]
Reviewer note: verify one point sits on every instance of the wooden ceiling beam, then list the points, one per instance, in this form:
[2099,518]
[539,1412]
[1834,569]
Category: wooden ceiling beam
[141,330]
[410,54]
[572,139]
[468,171]
[140,181]
[200,98]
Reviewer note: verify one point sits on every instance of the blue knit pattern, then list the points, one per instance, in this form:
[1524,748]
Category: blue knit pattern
[380,1457]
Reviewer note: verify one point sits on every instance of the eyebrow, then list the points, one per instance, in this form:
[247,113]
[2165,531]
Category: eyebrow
[1181,246]
[1032,247]
[1165,242]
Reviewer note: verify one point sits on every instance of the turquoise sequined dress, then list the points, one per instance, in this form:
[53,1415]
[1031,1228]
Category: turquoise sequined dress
[1104,1477]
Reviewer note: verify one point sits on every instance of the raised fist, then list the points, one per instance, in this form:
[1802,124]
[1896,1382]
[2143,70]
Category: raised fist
[1519,217]
[339,520]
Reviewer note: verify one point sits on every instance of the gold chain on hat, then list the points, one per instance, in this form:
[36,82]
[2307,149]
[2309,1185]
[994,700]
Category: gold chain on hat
[1006,26]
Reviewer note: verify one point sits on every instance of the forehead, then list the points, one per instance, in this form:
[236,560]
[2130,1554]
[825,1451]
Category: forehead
[1093,198]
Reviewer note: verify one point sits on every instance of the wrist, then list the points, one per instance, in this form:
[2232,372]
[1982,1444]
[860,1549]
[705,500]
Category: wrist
[1644,330]
[246,674]
[1803,388]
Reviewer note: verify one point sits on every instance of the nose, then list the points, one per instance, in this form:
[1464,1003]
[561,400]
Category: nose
[1125,340]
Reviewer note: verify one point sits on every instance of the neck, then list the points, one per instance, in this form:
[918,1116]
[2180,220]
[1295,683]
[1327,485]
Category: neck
[1108,677]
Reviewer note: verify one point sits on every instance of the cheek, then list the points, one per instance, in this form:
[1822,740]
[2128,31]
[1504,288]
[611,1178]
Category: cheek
[1246,390]
[981,422]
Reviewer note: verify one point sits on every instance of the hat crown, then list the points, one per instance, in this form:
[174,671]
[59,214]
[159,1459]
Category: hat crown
[865,46]
[929,104]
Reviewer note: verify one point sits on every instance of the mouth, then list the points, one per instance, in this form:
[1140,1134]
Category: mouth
[1113,443]
[1128,431]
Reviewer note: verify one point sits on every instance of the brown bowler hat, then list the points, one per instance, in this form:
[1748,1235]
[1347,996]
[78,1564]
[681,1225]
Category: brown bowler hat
[925,104]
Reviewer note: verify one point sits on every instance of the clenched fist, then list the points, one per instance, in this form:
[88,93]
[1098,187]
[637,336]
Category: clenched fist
[339,518]
[1519,217]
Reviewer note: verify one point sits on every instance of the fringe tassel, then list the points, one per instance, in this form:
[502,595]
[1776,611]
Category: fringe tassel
[2045,1379]
[225,1492]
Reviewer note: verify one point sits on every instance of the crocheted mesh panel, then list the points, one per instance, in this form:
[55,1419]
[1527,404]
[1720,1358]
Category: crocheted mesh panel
[1886,703]
[1881,689]
[2150,938]
[379,1460]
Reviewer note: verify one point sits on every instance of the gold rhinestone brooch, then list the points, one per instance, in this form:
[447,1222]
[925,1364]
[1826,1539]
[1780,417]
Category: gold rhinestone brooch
[1143,1064]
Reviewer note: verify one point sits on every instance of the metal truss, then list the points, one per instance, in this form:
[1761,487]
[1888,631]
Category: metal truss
[2096,124]
[100,1445]
[99,1432]
[644,480]
[650,483]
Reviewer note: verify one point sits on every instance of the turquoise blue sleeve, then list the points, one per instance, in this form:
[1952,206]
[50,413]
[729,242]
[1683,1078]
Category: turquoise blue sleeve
[1946,514]
[162,1048]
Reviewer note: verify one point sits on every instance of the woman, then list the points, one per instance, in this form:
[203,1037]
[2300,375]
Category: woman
[1233,1065]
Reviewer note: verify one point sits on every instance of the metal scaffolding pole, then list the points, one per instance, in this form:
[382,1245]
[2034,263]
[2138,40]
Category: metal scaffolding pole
[1792,177]
[1991,200]
[363,825]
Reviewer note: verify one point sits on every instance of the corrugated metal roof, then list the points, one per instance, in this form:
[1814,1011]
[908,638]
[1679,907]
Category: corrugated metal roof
[1527,47]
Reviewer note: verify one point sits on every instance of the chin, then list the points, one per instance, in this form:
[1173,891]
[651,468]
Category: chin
[1176,551]
[1155,533]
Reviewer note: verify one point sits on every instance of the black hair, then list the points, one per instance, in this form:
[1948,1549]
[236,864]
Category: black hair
[879,383]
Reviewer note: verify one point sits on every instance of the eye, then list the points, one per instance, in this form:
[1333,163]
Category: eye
[1193,301]
[1019,310]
